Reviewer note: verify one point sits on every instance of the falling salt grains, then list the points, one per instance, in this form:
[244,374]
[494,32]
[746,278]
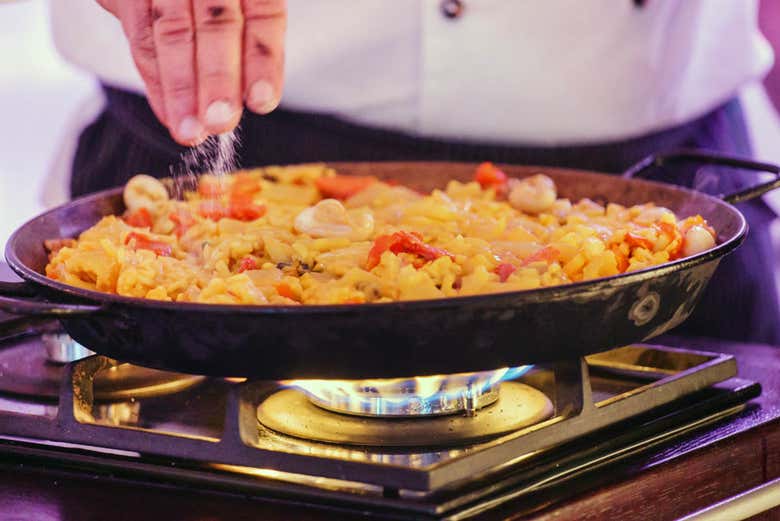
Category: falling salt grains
[216,156]
[223,153]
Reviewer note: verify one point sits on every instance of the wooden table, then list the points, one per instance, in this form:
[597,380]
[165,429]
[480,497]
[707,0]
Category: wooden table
[672,481]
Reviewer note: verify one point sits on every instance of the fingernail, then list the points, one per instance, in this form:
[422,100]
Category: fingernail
[190,129]
[219,114]
[262,98]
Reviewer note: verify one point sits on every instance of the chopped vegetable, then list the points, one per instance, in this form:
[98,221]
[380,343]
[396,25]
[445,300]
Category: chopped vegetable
[546,254]
[246,264]
[620,258]
[243,209]
[381,245]
[490,176]
[140,218]
[504,270]
[675,245]
[182,221]
[284,290]
[211,187]
[244,185]
[403,242]
[240,208]
[637,241]
[141,242]
[211,209]
[343,186]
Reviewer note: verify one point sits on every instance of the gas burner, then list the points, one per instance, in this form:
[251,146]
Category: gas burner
[538,429]
[512,406]
[409,397]
[432,411]
[34,368]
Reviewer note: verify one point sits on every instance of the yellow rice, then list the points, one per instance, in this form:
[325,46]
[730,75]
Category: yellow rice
[478,231]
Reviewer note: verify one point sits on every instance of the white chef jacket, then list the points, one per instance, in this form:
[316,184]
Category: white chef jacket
[526,72]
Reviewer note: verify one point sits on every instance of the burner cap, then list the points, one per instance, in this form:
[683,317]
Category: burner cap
[290,412]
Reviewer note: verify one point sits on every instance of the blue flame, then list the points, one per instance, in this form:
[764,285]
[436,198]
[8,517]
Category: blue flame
[516,372]
[424,392]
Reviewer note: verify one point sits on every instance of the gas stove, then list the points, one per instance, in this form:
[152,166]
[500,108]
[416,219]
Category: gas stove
[436,446]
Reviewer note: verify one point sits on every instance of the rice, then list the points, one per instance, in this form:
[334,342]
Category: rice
[276,235]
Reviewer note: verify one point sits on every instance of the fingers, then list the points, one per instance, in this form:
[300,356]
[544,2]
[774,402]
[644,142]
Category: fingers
[174,41]
[198,89]
[264,27]
[136,18]
[219,27]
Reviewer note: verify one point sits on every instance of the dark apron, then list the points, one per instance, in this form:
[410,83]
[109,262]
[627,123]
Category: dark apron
[740,303]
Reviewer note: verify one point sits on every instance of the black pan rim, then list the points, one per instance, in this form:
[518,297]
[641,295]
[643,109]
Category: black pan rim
[549,293]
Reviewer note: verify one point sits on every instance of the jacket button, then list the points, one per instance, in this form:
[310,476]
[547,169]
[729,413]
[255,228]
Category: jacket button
[452,8]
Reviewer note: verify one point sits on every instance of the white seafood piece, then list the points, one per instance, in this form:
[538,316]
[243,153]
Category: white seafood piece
[652,215]
[362,222]
[533,195]
[143,191]
[697,239]
[329,218]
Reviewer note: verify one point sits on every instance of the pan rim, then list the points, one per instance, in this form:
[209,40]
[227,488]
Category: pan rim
[549,293]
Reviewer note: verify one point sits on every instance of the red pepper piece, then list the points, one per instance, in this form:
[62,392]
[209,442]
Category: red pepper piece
[403,242]
[244,185]
[488,175]
[667,228]
[247,263]
[182,220]
[504,270]
[213,210]
[243,209]
[284,290]
[406,242]
[673,233]
[381,245]
[637,241]
[142,242]
[547,254]
[211,188]
[141,218]
[620,257]
[343,186]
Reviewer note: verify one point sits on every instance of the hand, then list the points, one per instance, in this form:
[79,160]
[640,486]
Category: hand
[202,59]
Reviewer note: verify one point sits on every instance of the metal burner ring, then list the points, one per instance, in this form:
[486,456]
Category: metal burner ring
[467,402]
[419,396]
[290,412]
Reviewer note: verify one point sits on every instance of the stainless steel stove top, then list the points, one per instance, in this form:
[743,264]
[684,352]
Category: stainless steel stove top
[206,431]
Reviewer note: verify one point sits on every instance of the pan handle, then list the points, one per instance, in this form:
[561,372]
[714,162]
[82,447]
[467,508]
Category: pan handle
[641,169]
[14,299]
